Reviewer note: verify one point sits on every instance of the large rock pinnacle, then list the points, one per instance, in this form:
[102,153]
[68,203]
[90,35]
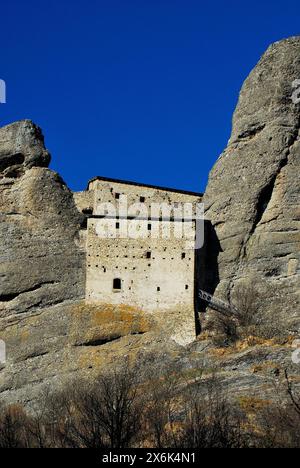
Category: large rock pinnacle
[253,194]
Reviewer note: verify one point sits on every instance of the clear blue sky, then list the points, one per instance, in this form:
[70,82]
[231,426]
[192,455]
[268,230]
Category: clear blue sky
[134,89]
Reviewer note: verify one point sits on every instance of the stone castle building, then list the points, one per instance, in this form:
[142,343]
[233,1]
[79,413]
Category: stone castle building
[139,242]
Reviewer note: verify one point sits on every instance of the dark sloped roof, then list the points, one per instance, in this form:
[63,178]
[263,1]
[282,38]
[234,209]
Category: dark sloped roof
[138,184]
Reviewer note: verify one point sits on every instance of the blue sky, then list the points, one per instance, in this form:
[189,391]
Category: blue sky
[141,90]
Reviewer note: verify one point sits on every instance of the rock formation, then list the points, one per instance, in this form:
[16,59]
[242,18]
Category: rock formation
[41,263]
[253,194]
[21,147]
[253,216]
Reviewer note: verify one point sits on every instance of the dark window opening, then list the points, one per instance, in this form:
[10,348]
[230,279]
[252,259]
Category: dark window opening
[142,199]
[183,256]
[87,211]
[117,225]
[158,289]
[117,196]
[149,227]
[186,286]
[148,255]
[117,284]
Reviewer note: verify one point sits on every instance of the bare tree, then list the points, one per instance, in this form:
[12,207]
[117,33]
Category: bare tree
[160,411]
[104,414]
[210,419]
[246,300]
[12,427]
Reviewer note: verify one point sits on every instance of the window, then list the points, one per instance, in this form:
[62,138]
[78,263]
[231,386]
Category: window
[117,196]
[117,284]
[117,225]
[148,255]
[186,286]
[87,211]
[149,227]
[158,288]
[142,199]
[183,255]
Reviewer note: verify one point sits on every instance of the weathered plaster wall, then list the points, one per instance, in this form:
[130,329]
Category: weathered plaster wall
[155,273]
[111,192]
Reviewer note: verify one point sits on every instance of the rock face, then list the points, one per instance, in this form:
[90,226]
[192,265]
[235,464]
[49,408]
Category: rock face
[253,196]
[41,263]
[253,219]
[21,147]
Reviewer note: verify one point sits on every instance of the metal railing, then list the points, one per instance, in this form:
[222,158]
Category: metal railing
[217,304]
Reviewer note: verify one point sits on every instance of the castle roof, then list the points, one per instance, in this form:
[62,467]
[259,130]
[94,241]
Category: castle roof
[138,184]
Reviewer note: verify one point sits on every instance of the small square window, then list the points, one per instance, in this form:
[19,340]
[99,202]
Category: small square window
[117,196]
[186,286]
[142,199]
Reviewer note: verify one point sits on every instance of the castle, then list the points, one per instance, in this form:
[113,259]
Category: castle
[135,255]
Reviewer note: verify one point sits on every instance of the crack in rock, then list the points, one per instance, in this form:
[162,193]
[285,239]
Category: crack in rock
[11,297]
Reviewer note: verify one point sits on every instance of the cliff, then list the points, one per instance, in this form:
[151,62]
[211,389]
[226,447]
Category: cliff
[253,195]
[252,206]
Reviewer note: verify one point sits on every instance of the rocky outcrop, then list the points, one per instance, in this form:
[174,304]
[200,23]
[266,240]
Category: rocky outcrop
[50,345]
[253,195]
[252,236]
[21,147]
[41,263]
